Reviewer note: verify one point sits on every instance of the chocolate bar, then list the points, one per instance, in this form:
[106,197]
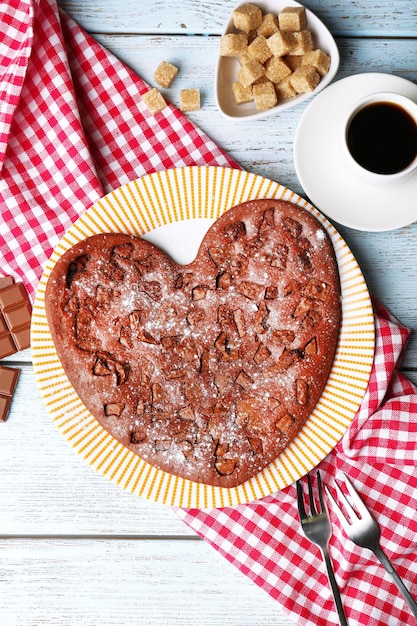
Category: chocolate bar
[15,316]
[8,381]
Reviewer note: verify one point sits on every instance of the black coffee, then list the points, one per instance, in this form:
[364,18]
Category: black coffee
[382,137]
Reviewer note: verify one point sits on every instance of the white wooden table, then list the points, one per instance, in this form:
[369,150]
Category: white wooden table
[75,550]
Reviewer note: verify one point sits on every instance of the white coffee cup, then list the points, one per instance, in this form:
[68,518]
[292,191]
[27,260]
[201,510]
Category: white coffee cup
[379,137]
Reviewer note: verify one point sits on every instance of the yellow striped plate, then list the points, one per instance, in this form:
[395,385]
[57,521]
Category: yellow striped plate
[173,209]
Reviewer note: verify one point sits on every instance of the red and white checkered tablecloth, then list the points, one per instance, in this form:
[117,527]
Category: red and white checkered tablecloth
[263,539]
[73,127]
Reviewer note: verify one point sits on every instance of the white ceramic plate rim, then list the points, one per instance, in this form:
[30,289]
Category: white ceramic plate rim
[155,203]
[329,185]
[226,67]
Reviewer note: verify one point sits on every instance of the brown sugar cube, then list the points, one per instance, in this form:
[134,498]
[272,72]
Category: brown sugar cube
[241,94]
[262,79]
[293,61]
[251,36]
[317,59]
[154,100]
[276,69]
[292,18]
[303,42]
[250,72]
[259,50]
[233,44]
[281,43]
[247,17]
[305,79]
[244,58]
[284,89]
[264,95]
[190,99]
[269,25]
[165,73]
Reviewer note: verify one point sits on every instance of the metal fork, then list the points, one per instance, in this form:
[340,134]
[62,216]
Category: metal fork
[364,530]
[318,530]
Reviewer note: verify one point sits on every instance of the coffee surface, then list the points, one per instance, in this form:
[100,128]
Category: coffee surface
[382,138]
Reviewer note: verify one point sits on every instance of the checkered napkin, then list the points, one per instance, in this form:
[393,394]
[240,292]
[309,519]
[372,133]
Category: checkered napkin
[263,539]
[72,128]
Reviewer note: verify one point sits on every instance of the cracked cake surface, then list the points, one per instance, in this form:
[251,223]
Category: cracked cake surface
[206,370]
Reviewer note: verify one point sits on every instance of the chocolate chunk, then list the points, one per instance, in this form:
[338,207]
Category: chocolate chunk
[251,290]
[113,408]
[225,467]
[8,381]
[75,267]
[15,317]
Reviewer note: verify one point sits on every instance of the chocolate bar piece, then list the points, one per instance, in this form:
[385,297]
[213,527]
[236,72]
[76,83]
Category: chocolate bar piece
[8,381]
[15,316]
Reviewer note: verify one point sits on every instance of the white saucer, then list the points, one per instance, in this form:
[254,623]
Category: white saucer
[318,163]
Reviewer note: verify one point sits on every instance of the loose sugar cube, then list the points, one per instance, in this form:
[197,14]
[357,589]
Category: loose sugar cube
[269,25]
[233,44]
[247,17]
[249,72]
[190,99]
[259,50]
[305,79]
[318,59]
[165,73]
[241,94]
[303,42]
[284,89]
[292,18]
[154,100]
[276,69]
[281,43]
[264,95]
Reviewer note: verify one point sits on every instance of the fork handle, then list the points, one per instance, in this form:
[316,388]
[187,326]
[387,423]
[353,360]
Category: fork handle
[335,589]
[380,554]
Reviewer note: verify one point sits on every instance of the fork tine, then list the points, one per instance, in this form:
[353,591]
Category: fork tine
[310,496]
[360,505]
[351,511]
[342,519]
[300,501]
[320,490]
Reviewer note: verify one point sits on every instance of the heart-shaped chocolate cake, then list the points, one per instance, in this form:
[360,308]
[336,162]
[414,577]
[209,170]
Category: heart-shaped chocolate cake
[206,370]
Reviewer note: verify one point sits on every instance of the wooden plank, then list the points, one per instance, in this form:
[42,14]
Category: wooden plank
[109,582]
[394,18]
[46,488]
